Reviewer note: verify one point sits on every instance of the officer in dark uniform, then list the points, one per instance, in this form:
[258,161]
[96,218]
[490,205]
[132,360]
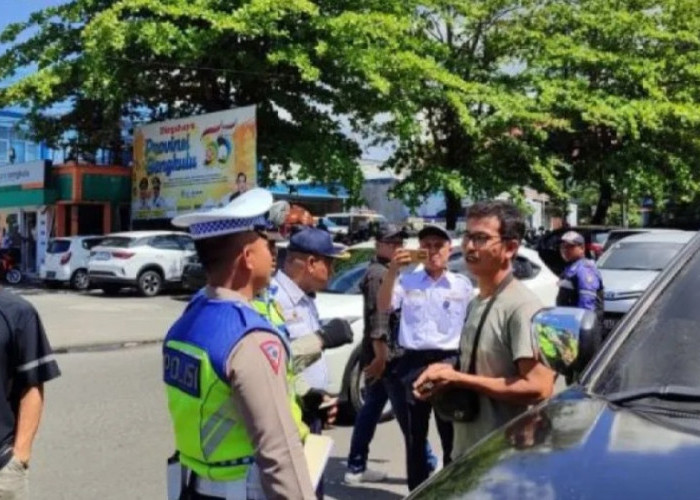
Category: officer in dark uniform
[580,285]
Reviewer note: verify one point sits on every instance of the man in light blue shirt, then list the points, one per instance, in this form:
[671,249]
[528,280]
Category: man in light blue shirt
[307,268]
[433,306]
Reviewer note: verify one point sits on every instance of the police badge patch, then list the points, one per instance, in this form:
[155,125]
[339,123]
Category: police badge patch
[272,349]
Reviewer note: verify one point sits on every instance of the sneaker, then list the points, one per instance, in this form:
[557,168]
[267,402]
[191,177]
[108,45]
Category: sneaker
[368,476]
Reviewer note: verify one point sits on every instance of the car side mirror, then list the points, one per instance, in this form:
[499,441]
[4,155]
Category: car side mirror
[567,338]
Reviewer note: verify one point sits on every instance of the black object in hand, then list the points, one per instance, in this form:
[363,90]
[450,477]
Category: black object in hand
[335,333]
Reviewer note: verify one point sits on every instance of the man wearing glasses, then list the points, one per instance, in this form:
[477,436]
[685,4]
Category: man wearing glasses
[507,374]
[433,305]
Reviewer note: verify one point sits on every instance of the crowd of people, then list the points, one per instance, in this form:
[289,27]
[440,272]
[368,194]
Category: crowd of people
[244,365]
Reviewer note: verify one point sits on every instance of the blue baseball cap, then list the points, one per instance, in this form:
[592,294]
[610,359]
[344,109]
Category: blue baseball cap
[315,241]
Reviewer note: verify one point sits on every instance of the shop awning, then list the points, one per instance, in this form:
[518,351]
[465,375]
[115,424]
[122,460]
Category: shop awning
[309,191]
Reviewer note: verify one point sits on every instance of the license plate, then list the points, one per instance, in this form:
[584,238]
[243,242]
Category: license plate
[610,323]
[102,256]
[50,274]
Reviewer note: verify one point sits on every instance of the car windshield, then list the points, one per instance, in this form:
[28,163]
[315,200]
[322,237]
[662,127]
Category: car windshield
[616,236]
[662,348]
[348,273]
[117,242]
[58,246]
[348,282]
[643,256]
[600,237]
[329,223]
[339,220]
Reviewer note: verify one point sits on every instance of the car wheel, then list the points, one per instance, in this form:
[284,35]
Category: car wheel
[150,283]
[110,290]
[13,276]
[80,280]
[356,389]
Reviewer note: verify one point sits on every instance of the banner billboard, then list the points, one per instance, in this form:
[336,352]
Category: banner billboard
[30,175]
[193,163]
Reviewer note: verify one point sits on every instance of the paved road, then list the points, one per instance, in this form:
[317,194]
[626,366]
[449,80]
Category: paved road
[88,319]
[106,432]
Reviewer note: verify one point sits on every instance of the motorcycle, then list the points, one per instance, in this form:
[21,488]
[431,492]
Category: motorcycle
[9,268]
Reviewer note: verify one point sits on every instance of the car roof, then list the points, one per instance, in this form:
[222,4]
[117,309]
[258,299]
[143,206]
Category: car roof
[353,214]
[647,230]
[144,234]
[76,238]
[660,237]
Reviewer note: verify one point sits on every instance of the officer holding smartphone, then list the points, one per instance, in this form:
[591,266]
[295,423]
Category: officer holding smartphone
[433,303]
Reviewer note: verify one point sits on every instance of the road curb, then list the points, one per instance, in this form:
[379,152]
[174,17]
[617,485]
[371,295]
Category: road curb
[105,346]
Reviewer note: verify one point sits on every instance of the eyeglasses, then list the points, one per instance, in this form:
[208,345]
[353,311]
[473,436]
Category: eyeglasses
[479,240]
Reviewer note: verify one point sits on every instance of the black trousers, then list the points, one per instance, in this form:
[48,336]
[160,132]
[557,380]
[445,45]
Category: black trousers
[407,369]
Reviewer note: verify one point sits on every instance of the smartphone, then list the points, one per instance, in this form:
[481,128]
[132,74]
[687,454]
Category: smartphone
[419,256]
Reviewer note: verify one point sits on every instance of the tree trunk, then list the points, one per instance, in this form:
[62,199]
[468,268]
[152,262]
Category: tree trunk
[604,202]
[454,207]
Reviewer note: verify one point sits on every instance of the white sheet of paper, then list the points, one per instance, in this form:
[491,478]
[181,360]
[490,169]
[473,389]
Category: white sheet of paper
[317,450]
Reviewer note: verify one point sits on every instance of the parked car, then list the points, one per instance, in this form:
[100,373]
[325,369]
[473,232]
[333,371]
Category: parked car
[630,428]
[631,264]
[193,275]
[548,245]
[66,261]
[351,227]
[617,234]
[343,299]
[146,260]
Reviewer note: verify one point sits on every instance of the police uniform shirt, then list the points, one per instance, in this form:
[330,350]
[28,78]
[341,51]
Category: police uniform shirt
[432,311]
[301,319]
[257,370]
[580,285]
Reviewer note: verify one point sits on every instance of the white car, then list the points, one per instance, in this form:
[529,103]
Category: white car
[146,260]
[629,266]
[343,299]
[66,261]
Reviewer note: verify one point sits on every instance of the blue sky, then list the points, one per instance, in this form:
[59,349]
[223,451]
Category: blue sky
[20,11]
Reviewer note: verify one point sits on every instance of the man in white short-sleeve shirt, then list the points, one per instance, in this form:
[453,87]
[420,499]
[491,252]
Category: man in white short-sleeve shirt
[433,304]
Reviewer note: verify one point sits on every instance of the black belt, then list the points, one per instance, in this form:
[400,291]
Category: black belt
[429,355]
[5,456]
[249,460]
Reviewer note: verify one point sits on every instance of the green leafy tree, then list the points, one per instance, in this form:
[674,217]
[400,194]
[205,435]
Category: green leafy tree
[142,60]
[624,77]
[459,114]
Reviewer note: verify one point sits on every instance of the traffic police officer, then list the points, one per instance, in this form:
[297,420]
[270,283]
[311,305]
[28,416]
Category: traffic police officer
[433,305]
[581,284]
[225,370]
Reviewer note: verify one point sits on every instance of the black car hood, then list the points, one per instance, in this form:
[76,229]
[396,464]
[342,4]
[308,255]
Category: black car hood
[576,447]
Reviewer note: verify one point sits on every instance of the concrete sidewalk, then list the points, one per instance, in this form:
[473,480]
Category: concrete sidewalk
[75,319]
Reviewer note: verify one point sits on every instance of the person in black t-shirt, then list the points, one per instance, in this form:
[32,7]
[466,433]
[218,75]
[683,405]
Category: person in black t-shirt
[26,362]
